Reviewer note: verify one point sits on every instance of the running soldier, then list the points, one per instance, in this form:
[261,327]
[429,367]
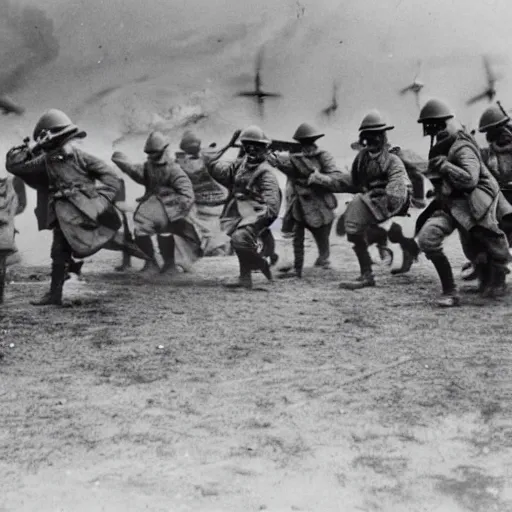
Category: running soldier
[466,198]
[313,177]
[210,196]
[167,207]
[383,190]
[253,204]
[82,219]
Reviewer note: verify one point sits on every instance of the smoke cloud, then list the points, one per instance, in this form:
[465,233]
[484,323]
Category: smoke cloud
[37,42]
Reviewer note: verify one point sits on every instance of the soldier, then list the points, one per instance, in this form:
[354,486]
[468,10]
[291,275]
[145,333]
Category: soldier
[82,219]
[466,197]
[313,177]
[253,204]
[495,124]
[12,203]
[210,196]
[167,206]
[382,188]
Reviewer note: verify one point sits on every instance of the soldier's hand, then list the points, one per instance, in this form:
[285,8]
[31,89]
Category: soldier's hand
[314,178]
[436,163]
[117,155]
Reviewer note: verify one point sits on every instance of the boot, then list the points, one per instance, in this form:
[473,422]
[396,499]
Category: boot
[125,264]
[365,263]
[469,271]
[146,246]
[166,246]
[321,236]
[3,270]
[298,254]
[450,297]
[245,279]
[409,247]
[54,296]
[257,262]
[75,267]
[496,284]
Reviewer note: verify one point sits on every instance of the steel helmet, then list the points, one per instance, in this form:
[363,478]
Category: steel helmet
[155,143]
[492,117]
[435,110]
[57,123]
[374,122]
[190,142]
[254,134]
[306,131]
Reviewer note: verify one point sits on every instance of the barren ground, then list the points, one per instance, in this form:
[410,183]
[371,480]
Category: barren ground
[177,395]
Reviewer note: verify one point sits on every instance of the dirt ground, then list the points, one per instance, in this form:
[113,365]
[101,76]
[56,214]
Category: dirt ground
[178,395]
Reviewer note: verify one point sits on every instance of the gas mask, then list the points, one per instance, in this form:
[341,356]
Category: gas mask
[254,151]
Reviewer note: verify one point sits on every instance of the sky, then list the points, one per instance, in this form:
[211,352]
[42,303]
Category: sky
[192,56]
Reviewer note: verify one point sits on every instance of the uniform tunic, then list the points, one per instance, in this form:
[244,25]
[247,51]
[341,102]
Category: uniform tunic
[83,219]
[252,186]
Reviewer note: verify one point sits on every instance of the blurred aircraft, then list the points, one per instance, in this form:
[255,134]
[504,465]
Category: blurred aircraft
[415,87]
[328,111]
[258,93]
[490,92]
[8,106]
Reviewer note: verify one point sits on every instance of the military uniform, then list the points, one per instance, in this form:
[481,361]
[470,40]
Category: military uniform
[82,219]
[167,206]
[382,190]
[466,200]
[210,196]
[253,205]
[12,203]
[312,179]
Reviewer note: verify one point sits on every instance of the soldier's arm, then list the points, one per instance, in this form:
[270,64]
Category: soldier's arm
[21,162]
[99,170]
[397,187]
[270,193]
[330,177]
[21,194]
[222,172]
[135,171]
[464,171]
[180,182]
[282,162]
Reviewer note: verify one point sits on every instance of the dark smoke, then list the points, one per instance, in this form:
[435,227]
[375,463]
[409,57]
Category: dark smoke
[39,43]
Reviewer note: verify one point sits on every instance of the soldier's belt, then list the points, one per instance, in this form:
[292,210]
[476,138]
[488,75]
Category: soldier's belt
[59,193]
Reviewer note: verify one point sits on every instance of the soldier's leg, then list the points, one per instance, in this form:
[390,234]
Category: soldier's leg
[498,256]
[357,220]
[476,254]
[126,261]
[418,189]
[61,255]
[430,241]
[239,244]
[379,236]
[166,246]
[244,241]
[145,227]
[269,246]
[298,251]
[409,247]
[321,236]
[3,269]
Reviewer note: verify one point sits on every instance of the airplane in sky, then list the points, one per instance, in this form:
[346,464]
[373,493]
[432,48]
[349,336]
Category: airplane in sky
[258,93]
[415,87]
[490,91]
